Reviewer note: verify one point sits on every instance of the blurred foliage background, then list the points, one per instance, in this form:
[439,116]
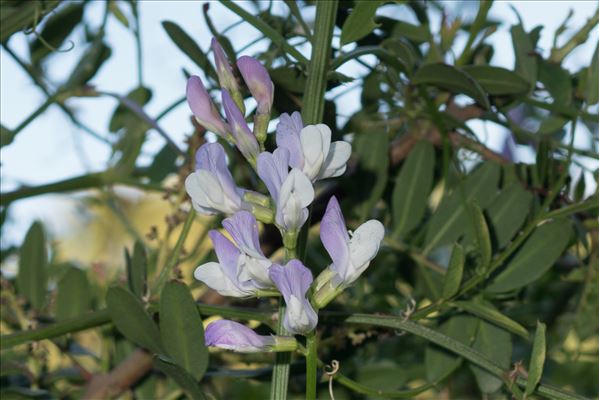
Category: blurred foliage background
[482,242]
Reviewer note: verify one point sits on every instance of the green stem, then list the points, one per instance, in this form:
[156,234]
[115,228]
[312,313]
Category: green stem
[101,317]
[311,363]
[86,181]
[174,258]
[456,347]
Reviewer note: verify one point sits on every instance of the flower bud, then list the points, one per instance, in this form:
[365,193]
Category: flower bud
[243,137]
[203,108]
[260,85]
[234,336]
[225,75]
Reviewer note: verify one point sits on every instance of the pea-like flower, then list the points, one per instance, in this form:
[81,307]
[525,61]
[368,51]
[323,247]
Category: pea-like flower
[203,108]
[227,276]
[243,137]
[234,336]
[226,79]
[311,148]
[243,228]
[351,255]
[291,191]
[211,186]
[293,281]
[262,89]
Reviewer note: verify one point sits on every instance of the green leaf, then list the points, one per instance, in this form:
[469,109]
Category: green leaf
[497,81]
[372,150]
[508,212]
[416,33]
[439,362]
[57,28]
[124,118]
[132,320]
[483,239]
[537,255]
[183,378]
[188,46]
[412,188]
[455,269]
[137,270]
[360,21]
[165,163]
[537,359]
[496,345]
[6,136]
[181,329]
[288,78]
[32,278]
[73,296]
[526,61]
[450,220]
[557,82]
[452,79]
[592,91]
[489,313]
[89,64]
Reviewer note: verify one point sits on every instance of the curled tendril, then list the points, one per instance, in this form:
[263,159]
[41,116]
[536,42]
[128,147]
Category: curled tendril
[331,371]
[33,30]
[406,314]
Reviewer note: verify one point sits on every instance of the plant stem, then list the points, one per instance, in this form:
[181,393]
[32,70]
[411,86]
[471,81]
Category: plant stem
[174,258]
[311,363]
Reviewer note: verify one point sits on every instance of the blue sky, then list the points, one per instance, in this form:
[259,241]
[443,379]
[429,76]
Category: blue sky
[51,148]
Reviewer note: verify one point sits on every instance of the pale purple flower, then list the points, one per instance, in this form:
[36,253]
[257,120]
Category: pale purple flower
[291,191]
[225,74]
[243,137]
[211,186]
[203,108]
[311,147]
[227,276]
[237,337]
[260,85]
[293,281]
[350,255]
[243,228]
[258,82]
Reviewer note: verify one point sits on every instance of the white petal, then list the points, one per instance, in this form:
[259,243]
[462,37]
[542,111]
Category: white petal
[258,271]
[315,140]
[296,318]
[336,161]
[213,276]
[364,244]
[204,189]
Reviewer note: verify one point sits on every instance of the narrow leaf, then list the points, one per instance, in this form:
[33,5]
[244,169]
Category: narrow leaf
[536,256]
[137,270]
[450,221]
[483,239]
[184,380]
[496,345]
[537,359]
[592,92]
[453,277]
[32,279]
[132,320]
[497,81]
[181,329]
[373,157]
[508,212]
[487,312]
[439,362]
[412,188]
[73,296]
[360,21]
[189,47]
[452,79]
[526,62]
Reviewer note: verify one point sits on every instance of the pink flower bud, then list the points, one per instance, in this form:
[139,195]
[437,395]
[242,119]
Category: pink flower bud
[203,108]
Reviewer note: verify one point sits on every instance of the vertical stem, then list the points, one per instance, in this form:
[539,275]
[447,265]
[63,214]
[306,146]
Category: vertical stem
[311,362]
[312,111]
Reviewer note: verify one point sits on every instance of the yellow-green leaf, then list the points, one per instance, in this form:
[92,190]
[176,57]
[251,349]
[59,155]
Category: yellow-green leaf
[537,359]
